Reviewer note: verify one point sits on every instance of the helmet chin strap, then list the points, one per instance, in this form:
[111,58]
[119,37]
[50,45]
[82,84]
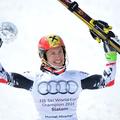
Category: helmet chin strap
[53,69]
[50,65]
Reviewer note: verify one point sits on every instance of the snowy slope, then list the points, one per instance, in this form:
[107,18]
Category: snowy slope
[39,17]
[16,104]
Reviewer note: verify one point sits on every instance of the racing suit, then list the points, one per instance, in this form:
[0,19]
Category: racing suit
[56,96]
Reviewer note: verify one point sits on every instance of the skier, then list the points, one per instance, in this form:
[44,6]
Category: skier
[54,88]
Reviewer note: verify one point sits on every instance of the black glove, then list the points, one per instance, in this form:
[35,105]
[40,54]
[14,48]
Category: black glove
[103,26]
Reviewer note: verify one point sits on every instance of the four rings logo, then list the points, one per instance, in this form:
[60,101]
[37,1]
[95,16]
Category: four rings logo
[54,87]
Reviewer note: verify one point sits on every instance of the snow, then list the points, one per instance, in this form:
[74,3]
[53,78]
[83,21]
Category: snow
[40,17]
[16,104]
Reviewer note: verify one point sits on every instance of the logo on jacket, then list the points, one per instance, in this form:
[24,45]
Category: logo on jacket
[55,87]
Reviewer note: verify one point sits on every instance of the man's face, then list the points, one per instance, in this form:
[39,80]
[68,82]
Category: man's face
[55,56]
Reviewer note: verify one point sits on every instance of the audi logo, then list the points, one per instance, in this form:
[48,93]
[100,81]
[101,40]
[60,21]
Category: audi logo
[55,87]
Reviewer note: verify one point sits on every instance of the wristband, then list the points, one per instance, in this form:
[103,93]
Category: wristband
[111,56]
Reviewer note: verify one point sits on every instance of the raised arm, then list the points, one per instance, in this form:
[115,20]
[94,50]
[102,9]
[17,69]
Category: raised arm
[4,76]
[15,79]
[108,77]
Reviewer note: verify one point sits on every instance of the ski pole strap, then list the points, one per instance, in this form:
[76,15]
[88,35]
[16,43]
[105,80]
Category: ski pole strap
[111,56]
